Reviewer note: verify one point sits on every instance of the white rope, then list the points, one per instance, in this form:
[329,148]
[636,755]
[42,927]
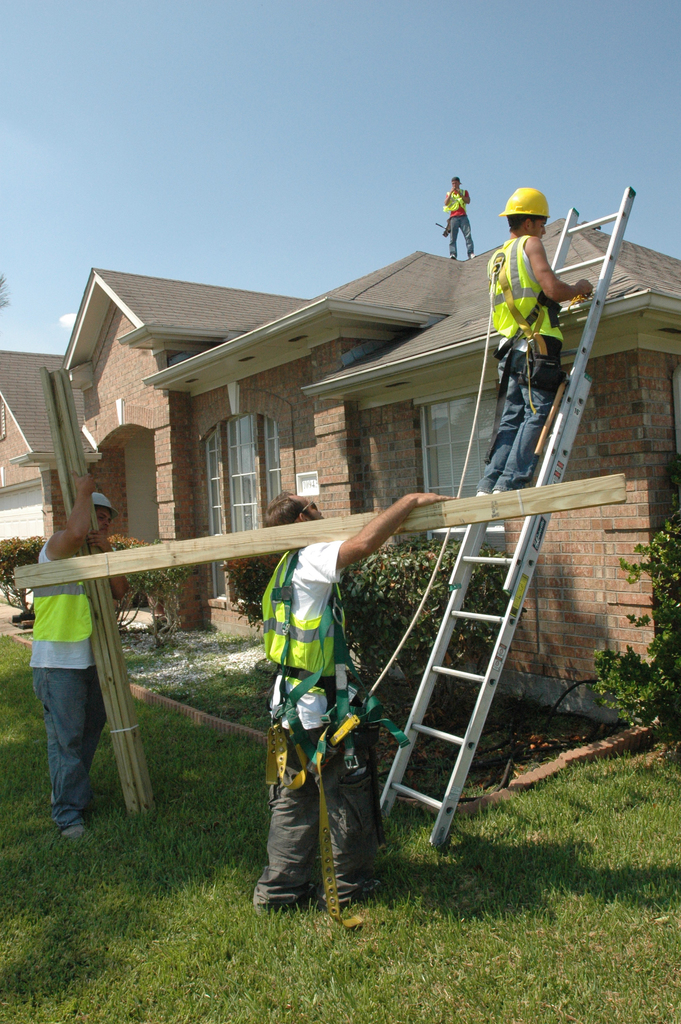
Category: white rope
[445,542]
[128,729]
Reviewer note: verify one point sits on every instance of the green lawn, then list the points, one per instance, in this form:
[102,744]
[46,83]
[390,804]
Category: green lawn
[562,905]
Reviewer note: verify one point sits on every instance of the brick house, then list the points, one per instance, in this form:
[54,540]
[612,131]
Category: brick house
[204,402]
[26,446]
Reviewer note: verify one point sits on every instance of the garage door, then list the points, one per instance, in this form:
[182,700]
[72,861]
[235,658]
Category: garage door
[21,511]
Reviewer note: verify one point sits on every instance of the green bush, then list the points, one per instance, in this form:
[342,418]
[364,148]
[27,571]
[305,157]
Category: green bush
[380,596]
[248,579]
[162,589]
[649,689]
[14,552]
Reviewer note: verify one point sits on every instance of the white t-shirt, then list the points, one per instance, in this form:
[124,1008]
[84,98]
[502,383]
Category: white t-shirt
[57,653]
[313,580]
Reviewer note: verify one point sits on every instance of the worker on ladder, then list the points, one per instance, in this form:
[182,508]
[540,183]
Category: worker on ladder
[526,295]
[320,744]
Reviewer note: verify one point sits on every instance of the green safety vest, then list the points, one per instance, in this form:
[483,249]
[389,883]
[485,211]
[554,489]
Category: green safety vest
[293,641]
[62,614]
[455,203]
[315,646]
[525,291]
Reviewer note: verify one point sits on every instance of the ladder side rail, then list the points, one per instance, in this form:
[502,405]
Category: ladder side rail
[461,574]
[601,290]
[486,694]
[552,470]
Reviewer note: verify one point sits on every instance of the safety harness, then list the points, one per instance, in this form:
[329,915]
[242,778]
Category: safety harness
[528,326]
[340,721]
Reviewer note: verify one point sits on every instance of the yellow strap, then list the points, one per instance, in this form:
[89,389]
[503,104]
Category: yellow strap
[328,869]
[277,755]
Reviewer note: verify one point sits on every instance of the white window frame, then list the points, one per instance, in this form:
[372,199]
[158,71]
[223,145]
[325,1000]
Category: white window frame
[243,452]
[272,458]
[476,466]
[215,511]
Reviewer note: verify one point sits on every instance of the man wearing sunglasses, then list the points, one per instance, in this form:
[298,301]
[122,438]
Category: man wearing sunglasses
[296,641]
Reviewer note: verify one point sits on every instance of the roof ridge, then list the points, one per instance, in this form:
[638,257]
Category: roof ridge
[198,284]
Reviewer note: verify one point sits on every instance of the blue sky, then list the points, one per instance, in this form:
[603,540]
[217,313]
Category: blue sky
[292,146]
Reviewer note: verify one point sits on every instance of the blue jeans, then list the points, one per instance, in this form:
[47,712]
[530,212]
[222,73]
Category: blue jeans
[513,461]
[464,224]
[74,715]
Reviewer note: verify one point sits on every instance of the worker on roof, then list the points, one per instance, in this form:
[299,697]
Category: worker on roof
[456,201]
[526,305]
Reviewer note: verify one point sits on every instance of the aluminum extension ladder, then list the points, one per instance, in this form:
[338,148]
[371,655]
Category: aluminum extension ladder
[520,566]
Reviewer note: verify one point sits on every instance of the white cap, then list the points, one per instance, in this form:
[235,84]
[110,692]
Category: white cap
[101,499]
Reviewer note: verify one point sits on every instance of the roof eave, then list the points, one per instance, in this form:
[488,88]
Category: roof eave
[93,308]
[345,311]
[354,380]
[47,460]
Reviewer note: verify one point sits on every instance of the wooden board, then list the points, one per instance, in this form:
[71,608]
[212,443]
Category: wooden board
[604,490]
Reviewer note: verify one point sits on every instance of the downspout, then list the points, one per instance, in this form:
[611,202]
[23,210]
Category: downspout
[676,391]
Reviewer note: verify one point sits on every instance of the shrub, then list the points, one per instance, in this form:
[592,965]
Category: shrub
[380,596]
[248,579]
[162,589]
[646,690]
[382,592]
[14,552]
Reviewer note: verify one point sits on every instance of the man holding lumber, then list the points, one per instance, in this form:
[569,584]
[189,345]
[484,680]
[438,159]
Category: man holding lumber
[319,750]
[526,294]
[64,674]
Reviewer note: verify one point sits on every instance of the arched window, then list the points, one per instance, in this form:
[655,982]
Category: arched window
[272,458]
[243,488]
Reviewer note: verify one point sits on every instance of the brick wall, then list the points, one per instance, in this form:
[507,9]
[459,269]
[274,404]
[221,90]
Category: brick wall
[580,598]
[12,445]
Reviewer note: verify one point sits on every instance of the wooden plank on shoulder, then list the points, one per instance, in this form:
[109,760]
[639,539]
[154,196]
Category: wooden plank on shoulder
[604,490]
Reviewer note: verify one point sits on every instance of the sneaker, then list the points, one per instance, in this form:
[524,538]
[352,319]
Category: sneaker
[73,831]
[498,491]
[472,256]
[452,257]
[482,494]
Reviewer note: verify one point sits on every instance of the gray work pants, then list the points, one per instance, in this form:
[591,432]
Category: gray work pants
[294,832]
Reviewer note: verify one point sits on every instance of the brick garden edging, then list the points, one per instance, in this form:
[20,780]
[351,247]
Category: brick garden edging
[200,717]
[631,739]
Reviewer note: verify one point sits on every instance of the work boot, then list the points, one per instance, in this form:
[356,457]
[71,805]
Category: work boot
[73,831]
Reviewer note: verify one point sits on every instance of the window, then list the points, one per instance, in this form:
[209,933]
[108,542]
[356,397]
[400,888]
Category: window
[242,476]
[215,521]
[446,430]
[3,424]
[272,459]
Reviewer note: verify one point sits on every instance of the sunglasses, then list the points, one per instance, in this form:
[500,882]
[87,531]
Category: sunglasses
[311,505]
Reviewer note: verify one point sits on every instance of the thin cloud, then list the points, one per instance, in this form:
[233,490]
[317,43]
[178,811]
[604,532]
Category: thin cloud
[68,320]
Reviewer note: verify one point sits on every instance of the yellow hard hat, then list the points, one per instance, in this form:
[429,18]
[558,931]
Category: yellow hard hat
[527,200]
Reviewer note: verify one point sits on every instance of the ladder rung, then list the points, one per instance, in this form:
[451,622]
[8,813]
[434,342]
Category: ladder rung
[593,224]
[478,617]
[415,795]
[443,670]
[437,734]
[487,559]
[580,266]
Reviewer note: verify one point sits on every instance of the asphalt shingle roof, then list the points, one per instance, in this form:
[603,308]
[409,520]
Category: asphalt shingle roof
[161,302]
[22,391]
[459,289]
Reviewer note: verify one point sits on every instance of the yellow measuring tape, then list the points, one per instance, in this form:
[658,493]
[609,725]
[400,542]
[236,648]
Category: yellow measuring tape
[328,869]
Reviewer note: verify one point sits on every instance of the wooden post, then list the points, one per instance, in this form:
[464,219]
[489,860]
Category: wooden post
[105,639]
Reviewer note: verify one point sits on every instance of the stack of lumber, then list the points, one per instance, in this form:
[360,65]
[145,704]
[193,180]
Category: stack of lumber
[106,643]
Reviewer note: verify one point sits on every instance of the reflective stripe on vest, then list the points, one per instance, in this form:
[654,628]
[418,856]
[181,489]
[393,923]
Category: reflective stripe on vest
[62,614]
[524,288]
[455,203]
[303,634]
